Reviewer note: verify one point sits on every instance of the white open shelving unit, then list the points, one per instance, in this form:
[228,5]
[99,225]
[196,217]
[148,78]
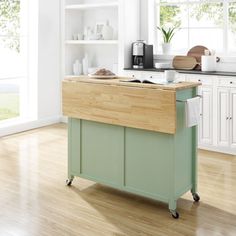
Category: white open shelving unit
[90,6]
[103,42]
[113,54]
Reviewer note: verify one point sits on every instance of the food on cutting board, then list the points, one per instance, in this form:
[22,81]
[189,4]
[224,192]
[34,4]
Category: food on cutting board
[103,72]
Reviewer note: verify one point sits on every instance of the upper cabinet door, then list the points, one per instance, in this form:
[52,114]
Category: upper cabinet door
[205,130]
[233,118]
[223,117]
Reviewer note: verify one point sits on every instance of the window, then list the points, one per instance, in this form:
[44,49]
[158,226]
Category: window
[211,23]
[13,58]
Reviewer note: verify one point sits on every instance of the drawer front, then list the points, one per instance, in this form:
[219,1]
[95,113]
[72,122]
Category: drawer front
[131,73]
[228,82]
[205,80]
[161,75]
[149,74]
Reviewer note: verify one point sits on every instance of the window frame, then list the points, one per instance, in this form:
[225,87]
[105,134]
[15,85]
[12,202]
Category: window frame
[224,28]
[20,79]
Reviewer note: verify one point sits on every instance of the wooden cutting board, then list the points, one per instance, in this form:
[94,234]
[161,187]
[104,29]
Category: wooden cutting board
[197,52]
[184,62]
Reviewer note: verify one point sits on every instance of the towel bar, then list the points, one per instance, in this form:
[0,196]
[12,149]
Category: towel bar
[186,100]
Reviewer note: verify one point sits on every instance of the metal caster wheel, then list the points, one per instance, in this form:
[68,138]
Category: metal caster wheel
[69,182]
[174,214]
[196,197]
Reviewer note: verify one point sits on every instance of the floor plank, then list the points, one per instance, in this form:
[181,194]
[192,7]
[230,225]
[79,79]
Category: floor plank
[34,200]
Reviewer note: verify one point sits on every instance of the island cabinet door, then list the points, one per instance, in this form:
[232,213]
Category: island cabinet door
[147,163]
[102,153]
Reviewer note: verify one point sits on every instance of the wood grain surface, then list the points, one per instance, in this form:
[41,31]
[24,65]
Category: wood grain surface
[184,62]
[197,52]
[35,201]
[136,107]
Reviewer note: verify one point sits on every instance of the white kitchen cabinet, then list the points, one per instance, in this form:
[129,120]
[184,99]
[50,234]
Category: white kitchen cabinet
[223,117]
[150,74]
[205,127]
[233,118]
[227,117]
[131,73]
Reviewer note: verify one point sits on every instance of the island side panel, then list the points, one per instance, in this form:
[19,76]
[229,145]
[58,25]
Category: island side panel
[185,158]
[194,154]
[74,147]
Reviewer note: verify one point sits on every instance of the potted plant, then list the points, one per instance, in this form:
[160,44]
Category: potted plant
[167,34]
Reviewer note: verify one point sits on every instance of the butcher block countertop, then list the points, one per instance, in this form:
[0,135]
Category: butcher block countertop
[120,81]
[113,101]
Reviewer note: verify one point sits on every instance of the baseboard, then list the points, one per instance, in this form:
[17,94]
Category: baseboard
[218,149]
[64,119]
[28,125]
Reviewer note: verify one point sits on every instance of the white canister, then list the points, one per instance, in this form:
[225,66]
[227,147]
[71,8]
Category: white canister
[208,63]
[107,31]
[170,75]
[85,63]
[80,36]
[77,68]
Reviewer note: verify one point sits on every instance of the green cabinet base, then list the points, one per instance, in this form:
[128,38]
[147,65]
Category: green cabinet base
[152,164]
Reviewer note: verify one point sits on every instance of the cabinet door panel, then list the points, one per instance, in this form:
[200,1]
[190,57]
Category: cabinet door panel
[223,117]
[148,74]
[206,116]
[102,152]
[233,117]
[148,152]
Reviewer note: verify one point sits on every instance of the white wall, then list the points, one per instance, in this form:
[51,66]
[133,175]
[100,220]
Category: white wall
[49,58]
[147,21]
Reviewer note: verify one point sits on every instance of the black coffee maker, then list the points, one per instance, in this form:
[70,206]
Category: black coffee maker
[142,55]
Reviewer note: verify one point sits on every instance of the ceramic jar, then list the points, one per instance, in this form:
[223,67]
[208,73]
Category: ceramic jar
[107,31]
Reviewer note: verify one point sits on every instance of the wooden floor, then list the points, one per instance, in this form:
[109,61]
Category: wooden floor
[34,200]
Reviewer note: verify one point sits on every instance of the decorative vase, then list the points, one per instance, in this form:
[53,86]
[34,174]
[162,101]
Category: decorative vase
[166,47]
[85,64]
[107,31]
[77,68]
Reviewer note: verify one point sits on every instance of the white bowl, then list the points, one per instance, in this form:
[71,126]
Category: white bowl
[162,65]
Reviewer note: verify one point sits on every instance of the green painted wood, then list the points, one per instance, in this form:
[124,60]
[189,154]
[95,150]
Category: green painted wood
[102,152]
[74,147]
[194,154]
[147,161]
[184,146]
